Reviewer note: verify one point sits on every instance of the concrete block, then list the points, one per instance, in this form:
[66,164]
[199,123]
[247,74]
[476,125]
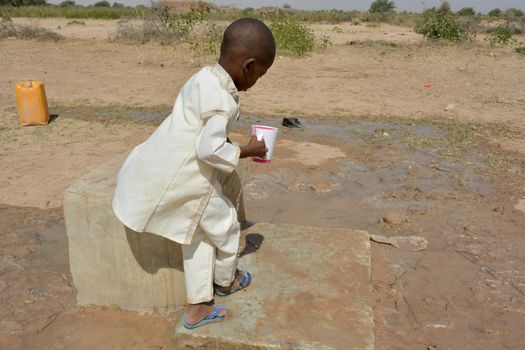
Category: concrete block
[113,265]
[310,290]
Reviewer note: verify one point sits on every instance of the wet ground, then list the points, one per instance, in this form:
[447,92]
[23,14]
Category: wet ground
[438,181]
[446,182]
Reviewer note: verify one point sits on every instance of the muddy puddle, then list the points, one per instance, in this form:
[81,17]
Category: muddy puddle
[378,167]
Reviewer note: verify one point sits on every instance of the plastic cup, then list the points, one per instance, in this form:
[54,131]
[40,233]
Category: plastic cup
[269,135]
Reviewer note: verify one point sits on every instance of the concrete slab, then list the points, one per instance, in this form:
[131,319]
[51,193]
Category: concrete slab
[311,290]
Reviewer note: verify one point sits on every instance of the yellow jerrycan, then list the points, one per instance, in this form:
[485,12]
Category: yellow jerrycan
[32,103]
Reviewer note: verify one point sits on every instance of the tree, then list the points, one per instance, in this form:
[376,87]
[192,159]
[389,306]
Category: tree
[18,3]
[494,13]
[382,6]
[467,11]
[68,3]
[117,4]
[103,3]
[514,13]
[445,9]
[287,6]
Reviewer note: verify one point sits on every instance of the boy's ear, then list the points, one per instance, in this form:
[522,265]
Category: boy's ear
[248,64]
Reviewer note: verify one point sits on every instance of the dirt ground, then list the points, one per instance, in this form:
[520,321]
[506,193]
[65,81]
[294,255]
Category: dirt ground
[380,152]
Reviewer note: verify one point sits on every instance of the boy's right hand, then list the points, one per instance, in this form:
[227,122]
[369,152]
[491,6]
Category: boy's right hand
[254,148]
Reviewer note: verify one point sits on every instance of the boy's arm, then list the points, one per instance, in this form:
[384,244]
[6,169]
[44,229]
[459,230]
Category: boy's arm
[213,148]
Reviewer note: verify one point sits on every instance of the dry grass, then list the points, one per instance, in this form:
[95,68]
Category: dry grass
[144,31]
[10,30]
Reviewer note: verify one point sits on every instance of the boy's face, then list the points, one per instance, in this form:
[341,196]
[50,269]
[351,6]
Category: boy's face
[251,72]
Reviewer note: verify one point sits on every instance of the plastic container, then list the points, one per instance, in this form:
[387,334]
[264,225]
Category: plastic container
[269,135]
[32,103]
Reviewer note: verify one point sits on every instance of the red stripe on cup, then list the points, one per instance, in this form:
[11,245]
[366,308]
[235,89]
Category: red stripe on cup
[257,160]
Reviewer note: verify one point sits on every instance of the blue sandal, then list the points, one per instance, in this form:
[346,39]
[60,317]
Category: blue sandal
[211,318]
[245,282]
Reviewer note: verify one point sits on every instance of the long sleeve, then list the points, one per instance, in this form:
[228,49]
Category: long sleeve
[212,147]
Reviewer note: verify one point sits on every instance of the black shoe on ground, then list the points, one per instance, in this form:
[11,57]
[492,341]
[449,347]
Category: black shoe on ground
[288,122]
[297,123]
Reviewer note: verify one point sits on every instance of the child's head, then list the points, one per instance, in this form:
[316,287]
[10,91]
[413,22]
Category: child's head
[247,51]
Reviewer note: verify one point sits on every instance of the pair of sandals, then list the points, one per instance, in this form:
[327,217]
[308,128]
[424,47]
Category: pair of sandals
[214,315]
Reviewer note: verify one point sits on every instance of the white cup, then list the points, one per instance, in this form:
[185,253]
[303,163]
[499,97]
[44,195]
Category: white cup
[269,135]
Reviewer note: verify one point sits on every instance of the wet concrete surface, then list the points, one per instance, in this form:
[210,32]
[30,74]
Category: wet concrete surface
[310,290]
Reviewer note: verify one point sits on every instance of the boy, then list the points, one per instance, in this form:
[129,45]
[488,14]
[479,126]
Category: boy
[168,185]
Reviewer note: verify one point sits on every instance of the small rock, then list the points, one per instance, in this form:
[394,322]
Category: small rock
[450,107]
[393,219]
[521,205]
[492,54]
[500,210]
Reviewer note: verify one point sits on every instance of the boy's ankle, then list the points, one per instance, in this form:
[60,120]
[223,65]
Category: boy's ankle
[223,288]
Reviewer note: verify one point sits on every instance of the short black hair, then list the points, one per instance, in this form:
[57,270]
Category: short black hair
[250,37]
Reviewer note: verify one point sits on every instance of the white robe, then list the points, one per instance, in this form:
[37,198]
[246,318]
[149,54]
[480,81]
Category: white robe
[166,182]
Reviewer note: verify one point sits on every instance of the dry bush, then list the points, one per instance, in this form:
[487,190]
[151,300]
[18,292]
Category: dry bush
[145,30]
[208,40]
[76,21]
[10,30]
[167,22]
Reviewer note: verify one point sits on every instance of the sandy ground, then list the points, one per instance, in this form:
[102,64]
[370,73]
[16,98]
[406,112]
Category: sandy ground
[470,82]
[456,184]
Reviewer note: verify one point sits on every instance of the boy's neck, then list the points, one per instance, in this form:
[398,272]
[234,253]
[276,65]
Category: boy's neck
[228,67]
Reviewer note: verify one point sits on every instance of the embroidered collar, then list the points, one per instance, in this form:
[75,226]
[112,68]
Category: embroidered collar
[226,81]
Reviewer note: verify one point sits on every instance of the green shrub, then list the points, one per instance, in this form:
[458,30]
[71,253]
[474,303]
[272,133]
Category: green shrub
[326,42]
[291,34]
[502,35]
[442,24]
